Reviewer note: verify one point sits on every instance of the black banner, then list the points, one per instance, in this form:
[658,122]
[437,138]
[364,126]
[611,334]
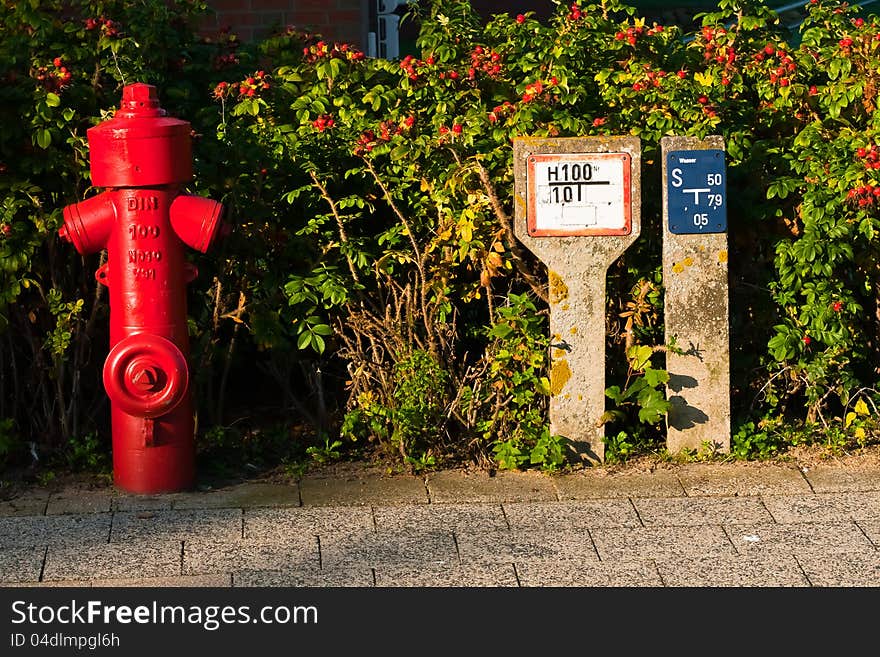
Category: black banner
[236,621]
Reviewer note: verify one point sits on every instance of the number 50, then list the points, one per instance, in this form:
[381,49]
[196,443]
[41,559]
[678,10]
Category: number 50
[713,179]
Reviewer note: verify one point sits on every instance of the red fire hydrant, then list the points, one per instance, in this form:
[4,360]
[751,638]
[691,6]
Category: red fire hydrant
[143,158]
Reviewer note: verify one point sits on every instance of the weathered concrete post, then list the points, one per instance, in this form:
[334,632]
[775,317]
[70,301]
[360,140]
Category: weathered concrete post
[696,289]
[577,209]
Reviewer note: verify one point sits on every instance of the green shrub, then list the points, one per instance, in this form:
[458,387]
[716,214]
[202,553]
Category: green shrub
[372,281]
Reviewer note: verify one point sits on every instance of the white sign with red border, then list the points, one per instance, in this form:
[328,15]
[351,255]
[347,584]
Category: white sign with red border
[574,194]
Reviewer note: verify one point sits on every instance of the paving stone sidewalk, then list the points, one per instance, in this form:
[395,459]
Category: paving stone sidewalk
[691,525]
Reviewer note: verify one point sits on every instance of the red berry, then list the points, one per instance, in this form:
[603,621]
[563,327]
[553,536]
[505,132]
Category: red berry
[769,49]
[681,74]
[57,62]
[456,128]
[807,339]
[836,306]
[520,18]
[702,100]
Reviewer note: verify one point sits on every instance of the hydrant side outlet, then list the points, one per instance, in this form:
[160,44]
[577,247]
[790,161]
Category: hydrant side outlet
[145,221]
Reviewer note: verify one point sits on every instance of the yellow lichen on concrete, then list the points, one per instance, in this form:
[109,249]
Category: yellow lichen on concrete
[560,373]
[722,256]
[678,268]
[574,330]
[557,287]
[687,262]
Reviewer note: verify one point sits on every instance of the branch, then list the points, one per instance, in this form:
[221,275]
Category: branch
[519,254]
[343,237]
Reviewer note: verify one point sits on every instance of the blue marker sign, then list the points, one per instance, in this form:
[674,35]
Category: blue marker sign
[696,197]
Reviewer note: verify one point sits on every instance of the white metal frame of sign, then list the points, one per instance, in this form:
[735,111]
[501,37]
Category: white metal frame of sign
[574,194]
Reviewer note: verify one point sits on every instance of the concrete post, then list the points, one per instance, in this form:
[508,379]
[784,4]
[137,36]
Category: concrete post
[696,293]
[577,209]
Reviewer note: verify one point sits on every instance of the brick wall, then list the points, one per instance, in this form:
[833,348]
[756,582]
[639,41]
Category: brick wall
[335,20]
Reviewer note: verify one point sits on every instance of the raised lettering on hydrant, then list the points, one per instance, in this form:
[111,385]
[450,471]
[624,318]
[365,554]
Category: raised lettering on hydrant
[142,158]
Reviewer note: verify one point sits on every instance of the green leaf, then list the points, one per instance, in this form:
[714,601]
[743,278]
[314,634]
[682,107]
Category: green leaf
[613,393]
[43,138]
[653,406]
[53,100]
[639,356]
[304,339]
[656,377]
[501,331]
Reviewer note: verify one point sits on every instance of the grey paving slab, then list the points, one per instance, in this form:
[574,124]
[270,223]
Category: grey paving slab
[701,511]
[455,486]
[596,483]
[736,479]
[45,585]
[850,570]
[579,573]
[126,502]
[31,502]
[113,561]
[824,507]
[578,514]
[450,517]
[454,575]
[213,556]
[505,547]
[389,547]
[623,543]
[78,500]
[176,524]
[837,477]
[189,581]
[28,531]
[21,564]
[355,576]
[871,528]
[334,491]
[280,524]
[800,538]
[733,571]
[247,495]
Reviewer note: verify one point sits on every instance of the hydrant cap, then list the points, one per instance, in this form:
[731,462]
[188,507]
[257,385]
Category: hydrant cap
[139,100]
[140,146]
